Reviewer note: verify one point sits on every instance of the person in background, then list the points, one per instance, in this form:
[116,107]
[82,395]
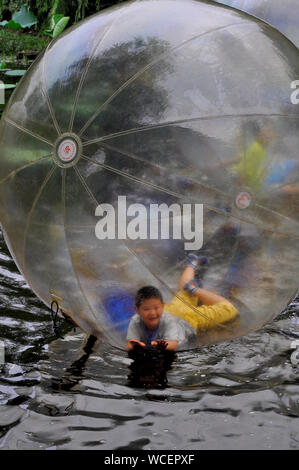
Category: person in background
[251,168]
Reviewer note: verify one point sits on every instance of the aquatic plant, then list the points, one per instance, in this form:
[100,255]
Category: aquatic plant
[21,19]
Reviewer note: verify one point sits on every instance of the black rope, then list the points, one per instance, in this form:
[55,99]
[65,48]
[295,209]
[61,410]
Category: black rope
[54,315]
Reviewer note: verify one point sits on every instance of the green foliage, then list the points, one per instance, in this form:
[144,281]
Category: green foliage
[10,75]
[58,5]
[24,17]
[21,19]
[11,24]
[60,26]
[58,23]
[40,9]
[86,8]
[13,41]
[15,73]
[45,9]
[9,6]
[54,20]
[7,86]
[80,12]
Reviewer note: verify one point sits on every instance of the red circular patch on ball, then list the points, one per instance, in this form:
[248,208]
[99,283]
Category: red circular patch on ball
[67,150]
[243,200]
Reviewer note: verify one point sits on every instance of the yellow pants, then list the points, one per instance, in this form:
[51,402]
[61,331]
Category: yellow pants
[184,305]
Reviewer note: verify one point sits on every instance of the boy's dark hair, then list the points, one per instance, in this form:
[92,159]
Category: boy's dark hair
[147,292]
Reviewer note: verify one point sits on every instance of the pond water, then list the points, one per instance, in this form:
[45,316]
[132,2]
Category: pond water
[74,394]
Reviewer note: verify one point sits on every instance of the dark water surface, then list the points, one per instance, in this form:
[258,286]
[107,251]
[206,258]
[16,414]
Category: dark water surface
[241,394]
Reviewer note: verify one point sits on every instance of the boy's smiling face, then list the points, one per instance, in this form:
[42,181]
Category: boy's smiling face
[150,311]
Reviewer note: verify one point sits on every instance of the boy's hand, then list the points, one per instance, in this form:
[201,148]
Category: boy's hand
[290,189]
[160,344]
[134,342]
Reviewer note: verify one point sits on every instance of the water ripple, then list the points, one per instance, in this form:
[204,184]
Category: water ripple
[58,394]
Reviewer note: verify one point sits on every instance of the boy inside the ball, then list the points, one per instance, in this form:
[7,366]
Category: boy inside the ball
[173,325]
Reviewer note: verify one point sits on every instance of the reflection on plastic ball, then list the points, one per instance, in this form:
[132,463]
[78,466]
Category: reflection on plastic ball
[173,102]
[282,15]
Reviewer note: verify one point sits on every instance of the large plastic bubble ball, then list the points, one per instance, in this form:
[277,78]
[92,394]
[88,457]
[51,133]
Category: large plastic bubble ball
[283,15]
[150,103]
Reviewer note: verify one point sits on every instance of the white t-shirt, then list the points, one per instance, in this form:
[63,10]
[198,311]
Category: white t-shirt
[170,328]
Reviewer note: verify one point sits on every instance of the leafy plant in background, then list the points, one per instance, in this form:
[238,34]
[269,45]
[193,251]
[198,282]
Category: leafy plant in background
[15,73]
[3,87]
[10,73]
[58,23]
[82,6]
[21,19]
[25,19]
[7,86]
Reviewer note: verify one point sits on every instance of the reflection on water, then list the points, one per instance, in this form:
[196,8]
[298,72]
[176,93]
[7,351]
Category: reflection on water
[77,393]
[149,367]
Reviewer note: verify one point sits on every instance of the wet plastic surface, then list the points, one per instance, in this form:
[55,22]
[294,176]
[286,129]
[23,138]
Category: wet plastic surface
[282,15]
[175,102]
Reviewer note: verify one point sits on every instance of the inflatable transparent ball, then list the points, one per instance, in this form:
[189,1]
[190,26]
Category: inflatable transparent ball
[175,104]
[283,15]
